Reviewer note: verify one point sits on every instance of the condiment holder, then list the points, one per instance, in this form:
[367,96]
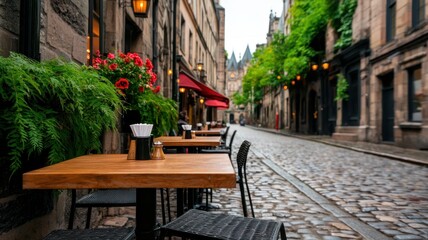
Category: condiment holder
[158,153]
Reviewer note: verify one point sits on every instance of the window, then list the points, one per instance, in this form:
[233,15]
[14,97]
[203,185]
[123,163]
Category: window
[94,41]
[418,12]
[415,94]
[182,34]
[390,20]
[190,46]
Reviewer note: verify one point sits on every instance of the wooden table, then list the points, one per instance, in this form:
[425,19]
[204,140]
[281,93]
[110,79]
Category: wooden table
[211,132]
[115,171]
[199,141]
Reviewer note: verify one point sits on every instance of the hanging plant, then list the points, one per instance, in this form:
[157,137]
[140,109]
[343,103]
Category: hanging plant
[342,88]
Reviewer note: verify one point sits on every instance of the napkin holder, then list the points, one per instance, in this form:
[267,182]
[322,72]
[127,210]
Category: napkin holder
[140,148]
[188,134]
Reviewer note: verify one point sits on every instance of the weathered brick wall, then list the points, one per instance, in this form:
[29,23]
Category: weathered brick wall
[9,27]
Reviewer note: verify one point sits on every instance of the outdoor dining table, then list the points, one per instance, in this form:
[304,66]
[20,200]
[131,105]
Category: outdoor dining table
[103,171]
[211,132]
[199,141]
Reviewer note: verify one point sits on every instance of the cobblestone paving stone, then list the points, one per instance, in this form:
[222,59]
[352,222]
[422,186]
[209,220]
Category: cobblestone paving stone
[389,195]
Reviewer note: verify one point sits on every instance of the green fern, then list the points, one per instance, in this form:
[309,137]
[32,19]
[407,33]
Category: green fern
[53,110]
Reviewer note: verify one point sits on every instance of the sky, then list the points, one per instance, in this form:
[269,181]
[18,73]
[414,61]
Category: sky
[247,23]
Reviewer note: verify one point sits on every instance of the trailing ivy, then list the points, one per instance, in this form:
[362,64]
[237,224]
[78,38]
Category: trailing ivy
[52,111]
[343,20]
[159,111]
[342,88]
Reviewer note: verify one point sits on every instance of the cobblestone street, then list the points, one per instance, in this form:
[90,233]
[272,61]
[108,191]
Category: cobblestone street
[325,192]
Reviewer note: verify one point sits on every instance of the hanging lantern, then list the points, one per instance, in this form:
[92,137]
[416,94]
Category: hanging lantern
[140,8]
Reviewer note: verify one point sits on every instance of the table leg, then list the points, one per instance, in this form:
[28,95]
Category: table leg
[145,213]
[180,202]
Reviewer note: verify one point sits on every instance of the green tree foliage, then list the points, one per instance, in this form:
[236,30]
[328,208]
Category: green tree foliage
[53,110]
[288,56]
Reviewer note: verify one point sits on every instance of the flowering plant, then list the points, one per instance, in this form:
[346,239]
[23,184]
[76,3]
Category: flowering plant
[129,73]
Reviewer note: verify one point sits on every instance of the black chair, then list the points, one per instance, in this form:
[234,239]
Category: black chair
[223,149]
[223,136]
[92,234]
[109,198]
[241,160]
[196,224]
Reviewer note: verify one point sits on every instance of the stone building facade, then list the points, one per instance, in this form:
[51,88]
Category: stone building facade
[74,29]
[386,69]
[387,64]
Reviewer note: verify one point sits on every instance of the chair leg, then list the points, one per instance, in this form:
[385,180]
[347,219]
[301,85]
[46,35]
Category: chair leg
[244,204]
[162,207]
[249,196]
[282,232]
[206,200]
[72,209]
[88,217]
[168,205]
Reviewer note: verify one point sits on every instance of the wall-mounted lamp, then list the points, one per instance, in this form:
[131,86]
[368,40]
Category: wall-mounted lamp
[298,77]
[325,65]
[169,71]
[200,66]
[314,66]
[182,90]
[201,100]
[285,87]
[139,7]
[278,77]
[293,82]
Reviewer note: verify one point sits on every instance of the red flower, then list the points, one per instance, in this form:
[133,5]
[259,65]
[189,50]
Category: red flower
[110,56]
[122,55]
[149,65]
[141,89]
[156,90]
[113,66]
[122,83]
[153,77]
[97,53]
[138,62]
[97,60]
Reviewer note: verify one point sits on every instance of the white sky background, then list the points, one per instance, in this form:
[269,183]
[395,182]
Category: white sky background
[247,23]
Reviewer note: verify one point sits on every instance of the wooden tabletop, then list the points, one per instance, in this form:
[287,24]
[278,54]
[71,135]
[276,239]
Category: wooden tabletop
[211,132]
[199,141]
[115,171]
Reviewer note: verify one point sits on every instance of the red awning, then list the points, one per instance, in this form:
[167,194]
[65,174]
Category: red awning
[187,82]
[216,103]
[210,93]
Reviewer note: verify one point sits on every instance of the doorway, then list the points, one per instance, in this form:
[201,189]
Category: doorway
[388,108]
[313,112]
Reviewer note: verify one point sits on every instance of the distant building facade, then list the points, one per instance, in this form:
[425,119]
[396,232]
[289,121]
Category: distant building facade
[235,72]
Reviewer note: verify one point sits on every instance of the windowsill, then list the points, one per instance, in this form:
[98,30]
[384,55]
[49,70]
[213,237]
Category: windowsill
[411,125]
